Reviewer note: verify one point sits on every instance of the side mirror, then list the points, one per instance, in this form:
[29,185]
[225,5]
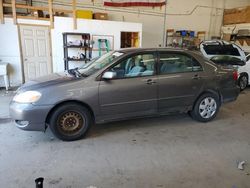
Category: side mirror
[109,75]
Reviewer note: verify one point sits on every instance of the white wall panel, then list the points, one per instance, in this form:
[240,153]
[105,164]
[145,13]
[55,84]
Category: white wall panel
[94,27]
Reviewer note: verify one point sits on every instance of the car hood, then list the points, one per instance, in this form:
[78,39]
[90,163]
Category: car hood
[48,80]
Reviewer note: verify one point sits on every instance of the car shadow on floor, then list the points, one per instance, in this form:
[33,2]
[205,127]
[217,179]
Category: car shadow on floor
[140,123]
[146,123]
[99,130]
[5,120]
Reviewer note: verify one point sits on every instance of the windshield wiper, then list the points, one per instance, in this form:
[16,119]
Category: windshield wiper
[75,72]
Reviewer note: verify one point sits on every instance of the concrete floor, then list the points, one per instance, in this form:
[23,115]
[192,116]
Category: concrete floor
[172,152]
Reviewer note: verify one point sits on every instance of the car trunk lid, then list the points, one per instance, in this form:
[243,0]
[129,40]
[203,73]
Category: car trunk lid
[223,53]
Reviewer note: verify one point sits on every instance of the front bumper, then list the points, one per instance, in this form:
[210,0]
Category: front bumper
[28,116]
[230,94]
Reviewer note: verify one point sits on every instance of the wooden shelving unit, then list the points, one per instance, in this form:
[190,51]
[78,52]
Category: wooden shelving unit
[49,8]
[174,40]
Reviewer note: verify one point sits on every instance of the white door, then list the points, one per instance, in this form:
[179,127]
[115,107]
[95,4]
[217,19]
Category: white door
[36,52]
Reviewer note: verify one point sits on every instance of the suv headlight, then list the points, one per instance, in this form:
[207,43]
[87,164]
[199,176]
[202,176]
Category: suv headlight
[27,97]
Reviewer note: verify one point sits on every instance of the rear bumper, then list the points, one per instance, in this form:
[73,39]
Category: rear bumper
[230,94]
[28,116]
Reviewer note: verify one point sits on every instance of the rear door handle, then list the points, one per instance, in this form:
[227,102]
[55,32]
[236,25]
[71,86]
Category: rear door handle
[150,82]
[196,77]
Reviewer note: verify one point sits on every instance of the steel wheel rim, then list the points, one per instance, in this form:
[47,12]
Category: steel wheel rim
[70,123]
[207,107]
[243,82]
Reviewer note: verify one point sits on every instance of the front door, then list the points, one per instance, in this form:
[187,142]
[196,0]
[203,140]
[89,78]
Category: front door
[133,92]
[36,52]
[180,80]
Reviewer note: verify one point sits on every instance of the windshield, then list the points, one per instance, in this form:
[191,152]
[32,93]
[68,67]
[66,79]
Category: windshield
[99,63]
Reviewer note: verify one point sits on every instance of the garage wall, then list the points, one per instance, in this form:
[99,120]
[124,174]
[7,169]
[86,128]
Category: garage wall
[238,3]
[181,14]
[10,51]
[95,27]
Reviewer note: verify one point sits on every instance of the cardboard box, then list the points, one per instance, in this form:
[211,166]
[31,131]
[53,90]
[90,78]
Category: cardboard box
[37,13]
[227,37]
[197,41]
[85,14]
[100,16]
[236,16]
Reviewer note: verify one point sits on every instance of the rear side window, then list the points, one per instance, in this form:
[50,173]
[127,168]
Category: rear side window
[177,63]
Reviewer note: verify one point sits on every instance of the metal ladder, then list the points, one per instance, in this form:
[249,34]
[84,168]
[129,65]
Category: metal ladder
[100,42]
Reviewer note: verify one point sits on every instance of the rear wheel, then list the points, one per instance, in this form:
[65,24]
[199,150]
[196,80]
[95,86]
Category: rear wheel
[243,82]
[206,107]
[70,121]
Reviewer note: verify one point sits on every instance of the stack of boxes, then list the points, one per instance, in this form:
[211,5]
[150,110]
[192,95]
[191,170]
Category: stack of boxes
[87,14]
[236,16]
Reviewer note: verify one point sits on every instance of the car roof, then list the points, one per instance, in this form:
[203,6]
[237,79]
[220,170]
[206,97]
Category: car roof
[130,50]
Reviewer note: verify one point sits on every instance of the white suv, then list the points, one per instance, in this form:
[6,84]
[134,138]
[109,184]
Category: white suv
[225,53]
[244,71]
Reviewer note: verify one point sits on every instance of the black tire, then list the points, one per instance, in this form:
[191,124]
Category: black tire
[211,108]
[70,121]
[243,82]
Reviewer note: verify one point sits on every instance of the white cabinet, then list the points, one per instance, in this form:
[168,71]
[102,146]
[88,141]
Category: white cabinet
[4,73]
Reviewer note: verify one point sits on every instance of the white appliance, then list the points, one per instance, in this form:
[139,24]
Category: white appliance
[4,73]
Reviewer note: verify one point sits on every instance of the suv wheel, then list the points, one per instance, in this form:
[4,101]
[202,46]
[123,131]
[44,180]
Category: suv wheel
[206,107]
[70,122]
[243,82]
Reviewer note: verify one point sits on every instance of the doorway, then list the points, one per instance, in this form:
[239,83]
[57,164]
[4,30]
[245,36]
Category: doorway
[130,39]
[36,51]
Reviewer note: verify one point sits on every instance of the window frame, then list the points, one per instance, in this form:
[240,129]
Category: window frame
[178,53]
[153,52]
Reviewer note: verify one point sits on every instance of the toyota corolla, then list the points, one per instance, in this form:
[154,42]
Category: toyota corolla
[124,84]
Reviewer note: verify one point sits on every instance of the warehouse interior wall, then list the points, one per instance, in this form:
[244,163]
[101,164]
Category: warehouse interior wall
[10,52]
[86,26]
[197,15]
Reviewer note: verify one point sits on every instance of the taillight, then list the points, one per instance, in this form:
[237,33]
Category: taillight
[235,75]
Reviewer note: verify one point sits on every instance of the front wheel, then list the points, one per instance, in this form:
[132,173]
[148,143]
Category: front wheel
[206,108]
[243,82]
[70,121]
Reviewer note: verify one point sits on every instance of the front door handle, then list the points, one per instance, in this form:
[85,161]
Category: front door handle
[150,82]
[196,77]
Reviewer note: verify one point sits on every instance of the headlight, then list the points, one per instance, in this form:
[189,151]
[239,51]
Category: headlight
[27,97]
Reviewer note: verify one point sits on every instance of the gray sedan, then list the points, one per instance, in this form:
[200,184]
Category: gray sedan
[124,84]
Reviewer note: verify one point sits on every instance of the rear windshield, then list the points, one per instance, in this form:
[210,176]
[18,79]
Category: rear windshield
[226,49]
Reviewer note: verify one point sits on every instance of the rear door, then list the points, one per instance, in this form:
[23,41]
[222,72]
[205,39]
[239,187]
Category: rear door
[134,91]
[180,80]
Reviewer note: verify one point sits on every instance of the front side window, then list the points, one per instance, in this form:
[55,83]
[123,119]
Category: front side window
[177,63]
[135,66]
